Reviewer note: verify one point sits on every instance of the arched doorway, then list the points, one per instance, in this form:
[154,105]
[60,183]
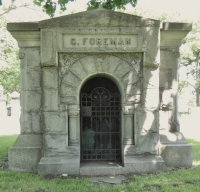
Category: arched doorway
[100,121]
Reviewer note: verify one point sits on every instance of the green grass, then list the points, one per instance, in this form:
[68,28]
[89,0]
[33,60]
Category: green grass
[184,180]
[5,143]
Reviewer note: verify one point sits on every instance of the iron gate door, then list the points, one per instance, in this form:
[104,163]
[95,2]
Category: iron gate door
[100,125]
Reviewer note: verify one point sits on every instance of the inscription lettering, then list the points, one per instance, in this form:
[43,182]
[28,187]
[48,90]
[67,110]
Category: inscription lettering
[92,41]
[101,41]
[72,41]
[113,41]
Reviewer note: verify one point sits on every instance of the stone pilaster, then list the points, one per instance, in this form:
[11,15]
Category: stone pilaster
[73,112]
[174,149]
[25,154]
[128,125]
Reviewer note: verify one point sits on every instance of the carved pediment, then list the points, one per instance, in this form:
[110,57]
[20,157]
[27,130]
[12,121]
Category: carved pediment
[98,18]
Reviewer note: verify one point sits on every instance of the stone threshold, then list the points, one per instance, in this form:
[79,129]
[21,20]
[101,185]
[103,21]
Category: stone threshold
[99,164]
[141,164]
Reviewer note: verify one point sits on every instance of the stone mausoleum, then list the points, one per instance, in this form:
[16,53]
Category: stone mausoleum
[99,95]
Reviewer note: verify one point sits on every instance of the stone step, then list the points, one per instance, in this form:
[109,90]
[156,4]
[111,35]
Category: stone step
[132,164]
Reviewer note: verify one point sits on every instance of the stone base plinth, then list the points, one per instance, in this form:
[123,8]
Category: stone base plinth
[144,164]
[59,165]
[132,164]
[175,150]
[25,154]
[176,154]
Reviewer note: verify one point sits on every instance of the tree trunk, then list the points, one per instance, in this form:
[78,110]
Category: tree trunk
[197,98]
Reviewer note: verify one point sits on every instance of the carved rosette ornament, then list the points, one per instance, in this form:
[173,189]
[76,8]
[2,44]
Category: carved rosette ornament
[21,55]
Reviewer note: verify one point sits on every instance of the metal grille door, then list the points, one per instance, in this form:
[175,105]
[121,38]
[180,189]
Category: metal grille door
[100,121]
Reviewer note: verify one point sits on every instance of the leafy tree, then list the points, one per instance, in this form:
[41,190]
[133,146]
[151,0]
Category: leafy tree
[190,58]
[49,6]
[9,62]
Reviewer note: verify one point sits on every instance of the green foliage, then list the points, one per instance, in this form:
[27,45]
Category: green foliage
[190,57]
[9,61]
[49,6]
[181,85]
[111,4]
[5,143]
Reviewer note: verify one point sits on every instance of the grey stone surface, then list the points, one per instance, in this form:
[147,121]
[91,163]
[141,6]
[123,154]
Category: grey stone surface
[59,165]
[54,122]
[25,154]
[58,56]
[176,155]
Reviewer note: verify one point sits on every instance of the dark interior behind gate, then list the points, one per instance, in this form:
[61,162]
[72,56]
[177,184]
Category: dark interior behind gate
[100,120]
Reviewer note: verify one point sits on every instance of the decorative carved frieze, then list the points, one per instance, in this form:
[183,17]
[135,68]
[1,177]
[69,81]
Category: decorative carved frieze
[65,60]
[126,67]
[73,111]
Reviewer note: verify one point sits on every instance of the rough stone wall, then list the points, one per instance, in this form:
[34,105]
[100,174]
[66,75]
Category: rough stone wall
[31,90]
[168,89]
[54,115]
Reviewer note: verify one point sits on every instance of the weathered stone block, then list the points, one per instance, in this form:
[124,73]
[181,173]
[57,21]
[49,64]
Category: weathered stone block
[167,77]
[48,53]
[176,155]
[24,159]
[33,79]
[150,77]
[68,99]
[50,77]
[36,122]
[25,122]
[70,78]
[25,154]
[50,99]
[33,58]
[31,100]
[147,143]
[144,164]
[168,57]
[59,165]
[55,145]
[151,36]
[146,121]
[68,89]
[55,122]
[150,98]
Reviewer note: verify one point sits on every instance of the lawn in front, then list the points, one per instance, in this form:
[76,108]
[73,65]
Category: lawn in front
[184,180]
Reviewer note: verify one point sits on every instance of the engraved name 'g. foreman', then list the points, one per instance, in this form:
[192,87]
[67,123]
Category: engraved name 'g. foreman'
[101,41]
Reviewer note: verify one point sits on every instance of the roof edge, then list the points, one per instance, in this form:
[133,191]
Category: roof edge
[23,26]
[173,26]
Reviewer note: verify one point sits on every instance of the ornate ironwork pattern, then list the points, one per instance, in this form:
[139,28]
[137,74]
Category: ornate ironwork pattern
[100,125]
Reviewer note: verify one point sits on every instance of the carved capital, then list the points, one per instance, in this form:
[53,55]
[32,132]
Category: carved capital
[22,55]
[128,110]
[73,111]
